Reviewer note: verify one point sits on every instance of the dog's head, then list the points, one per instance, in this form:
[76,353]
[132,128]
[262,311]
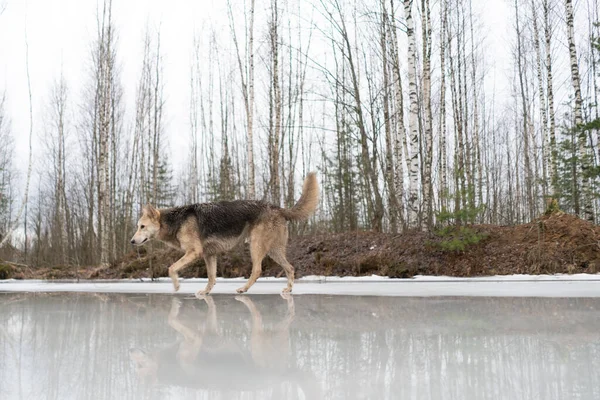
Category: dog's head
[148,226]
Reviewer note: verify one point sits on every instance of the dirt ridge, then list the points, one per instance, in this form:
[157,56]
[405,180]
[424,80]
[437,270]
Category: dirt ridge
[556,243]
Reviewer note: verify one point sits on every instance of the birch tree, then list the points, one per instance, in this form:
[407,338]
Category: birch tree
[550,91]
[526,134]
[413,187]
[57,138]
[105,125]
[246,69]
[6,172]
[578,118]
[399,137]
[478,187]
[392,199]
[13,224]
[443,158]
[274,108]
[547,147]
[427,123]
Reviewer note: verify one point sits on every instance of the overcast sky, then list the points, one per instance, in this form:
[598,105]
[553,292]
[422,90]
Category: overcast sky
[60,33]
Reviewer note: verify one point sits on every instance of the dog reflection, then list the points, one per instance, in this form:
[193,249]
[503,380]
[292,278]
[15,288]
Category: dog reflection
[205,359]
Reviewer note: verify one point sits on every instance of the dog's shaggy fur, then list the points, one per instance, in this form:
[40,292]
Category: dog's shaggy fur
[207,229]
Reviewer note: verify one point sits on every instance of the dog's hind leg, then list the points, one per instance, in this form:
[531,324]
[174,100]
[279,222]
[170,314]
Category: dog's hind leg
[257,256]
[211,271]
[278,255]
[187,258]
[260,242]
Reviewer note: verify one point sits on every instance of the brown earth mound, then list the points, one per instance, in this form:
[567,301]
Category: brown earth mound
[558,243]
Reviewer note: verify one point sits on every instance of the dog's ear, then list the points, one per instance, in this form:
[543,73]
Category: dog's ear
[151,212]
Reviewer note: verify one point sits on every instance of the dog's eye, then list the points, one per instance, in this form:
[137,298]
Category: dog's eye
[142,226]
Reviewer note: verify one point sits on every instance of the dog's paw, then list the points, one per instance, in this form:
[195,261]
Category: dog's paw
[286,294]
[286,290]
[176,286]
[241,290]
[201,293]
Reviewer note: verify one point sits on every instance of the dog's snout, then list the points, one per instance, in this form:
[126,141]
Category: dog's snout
[132,241]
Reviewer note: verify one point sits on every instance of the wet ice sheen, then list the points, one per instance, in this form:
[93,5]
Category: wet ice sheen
[132,346]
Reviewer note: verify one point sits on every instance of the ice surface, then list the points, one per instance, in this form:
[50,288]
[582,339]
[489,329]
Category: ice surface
[163,346]
[579,285]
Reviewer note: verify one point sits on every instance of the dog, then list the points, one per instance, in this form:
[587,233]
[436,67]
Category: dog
[208,229]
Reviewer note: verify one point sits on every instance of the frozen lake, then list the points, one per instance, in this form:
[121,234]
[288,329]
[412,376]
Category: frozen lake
[70,345]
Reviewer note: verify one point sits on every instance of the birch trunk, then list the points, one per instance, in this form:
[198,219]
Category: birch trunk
[550,90]
[274,148]
[104,90]
[250,106]
[413,196]
[525,115]
[400,129]
[389,155]
[476,132]
[588,213]
[428,129]
[247,80]
[542,101]
[442,135]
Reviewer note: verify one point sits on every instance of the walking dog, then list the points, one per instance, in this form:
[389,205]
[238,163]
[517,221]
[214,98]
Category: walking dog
[207,229]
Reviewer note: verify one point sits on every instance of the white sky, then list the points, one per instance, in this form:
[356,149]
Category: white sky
[60,33]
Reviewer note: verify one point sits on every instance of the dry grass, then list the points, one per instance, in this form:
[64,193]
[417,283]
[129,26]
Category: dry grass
[556,243]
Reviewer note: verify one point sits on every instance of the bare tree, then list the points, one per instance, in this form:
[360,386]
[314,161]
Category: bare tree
[389,152]
[529,180]
[104,115]
[247,78]
[578,117]
[368,160]
[476,126]
[23,206]
[105,128]
[227,182]
[148,135]
[541,99]
[550,90]
[443,158]
[56,138]
[275,108]
[6,172]
[400,145]
[427,123]
[192,181]
[457,111]
[413,196]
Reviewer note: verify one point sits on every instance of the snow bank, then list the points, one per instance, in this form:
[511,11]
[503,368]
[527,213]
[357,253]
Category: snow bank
[560,285]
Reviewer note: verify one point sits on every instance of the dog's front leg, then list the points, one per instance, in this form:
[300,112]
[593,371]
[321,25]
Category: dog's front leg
[187,258]
[211,271]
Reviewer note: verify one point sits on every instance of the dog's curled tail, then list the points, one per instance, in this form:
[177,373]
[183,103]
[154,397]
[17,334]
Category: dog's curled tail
[307,204]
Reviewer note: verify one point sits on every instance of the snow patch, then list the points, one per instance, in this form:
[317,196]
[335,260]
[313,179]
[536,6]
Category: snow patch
[559,285]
